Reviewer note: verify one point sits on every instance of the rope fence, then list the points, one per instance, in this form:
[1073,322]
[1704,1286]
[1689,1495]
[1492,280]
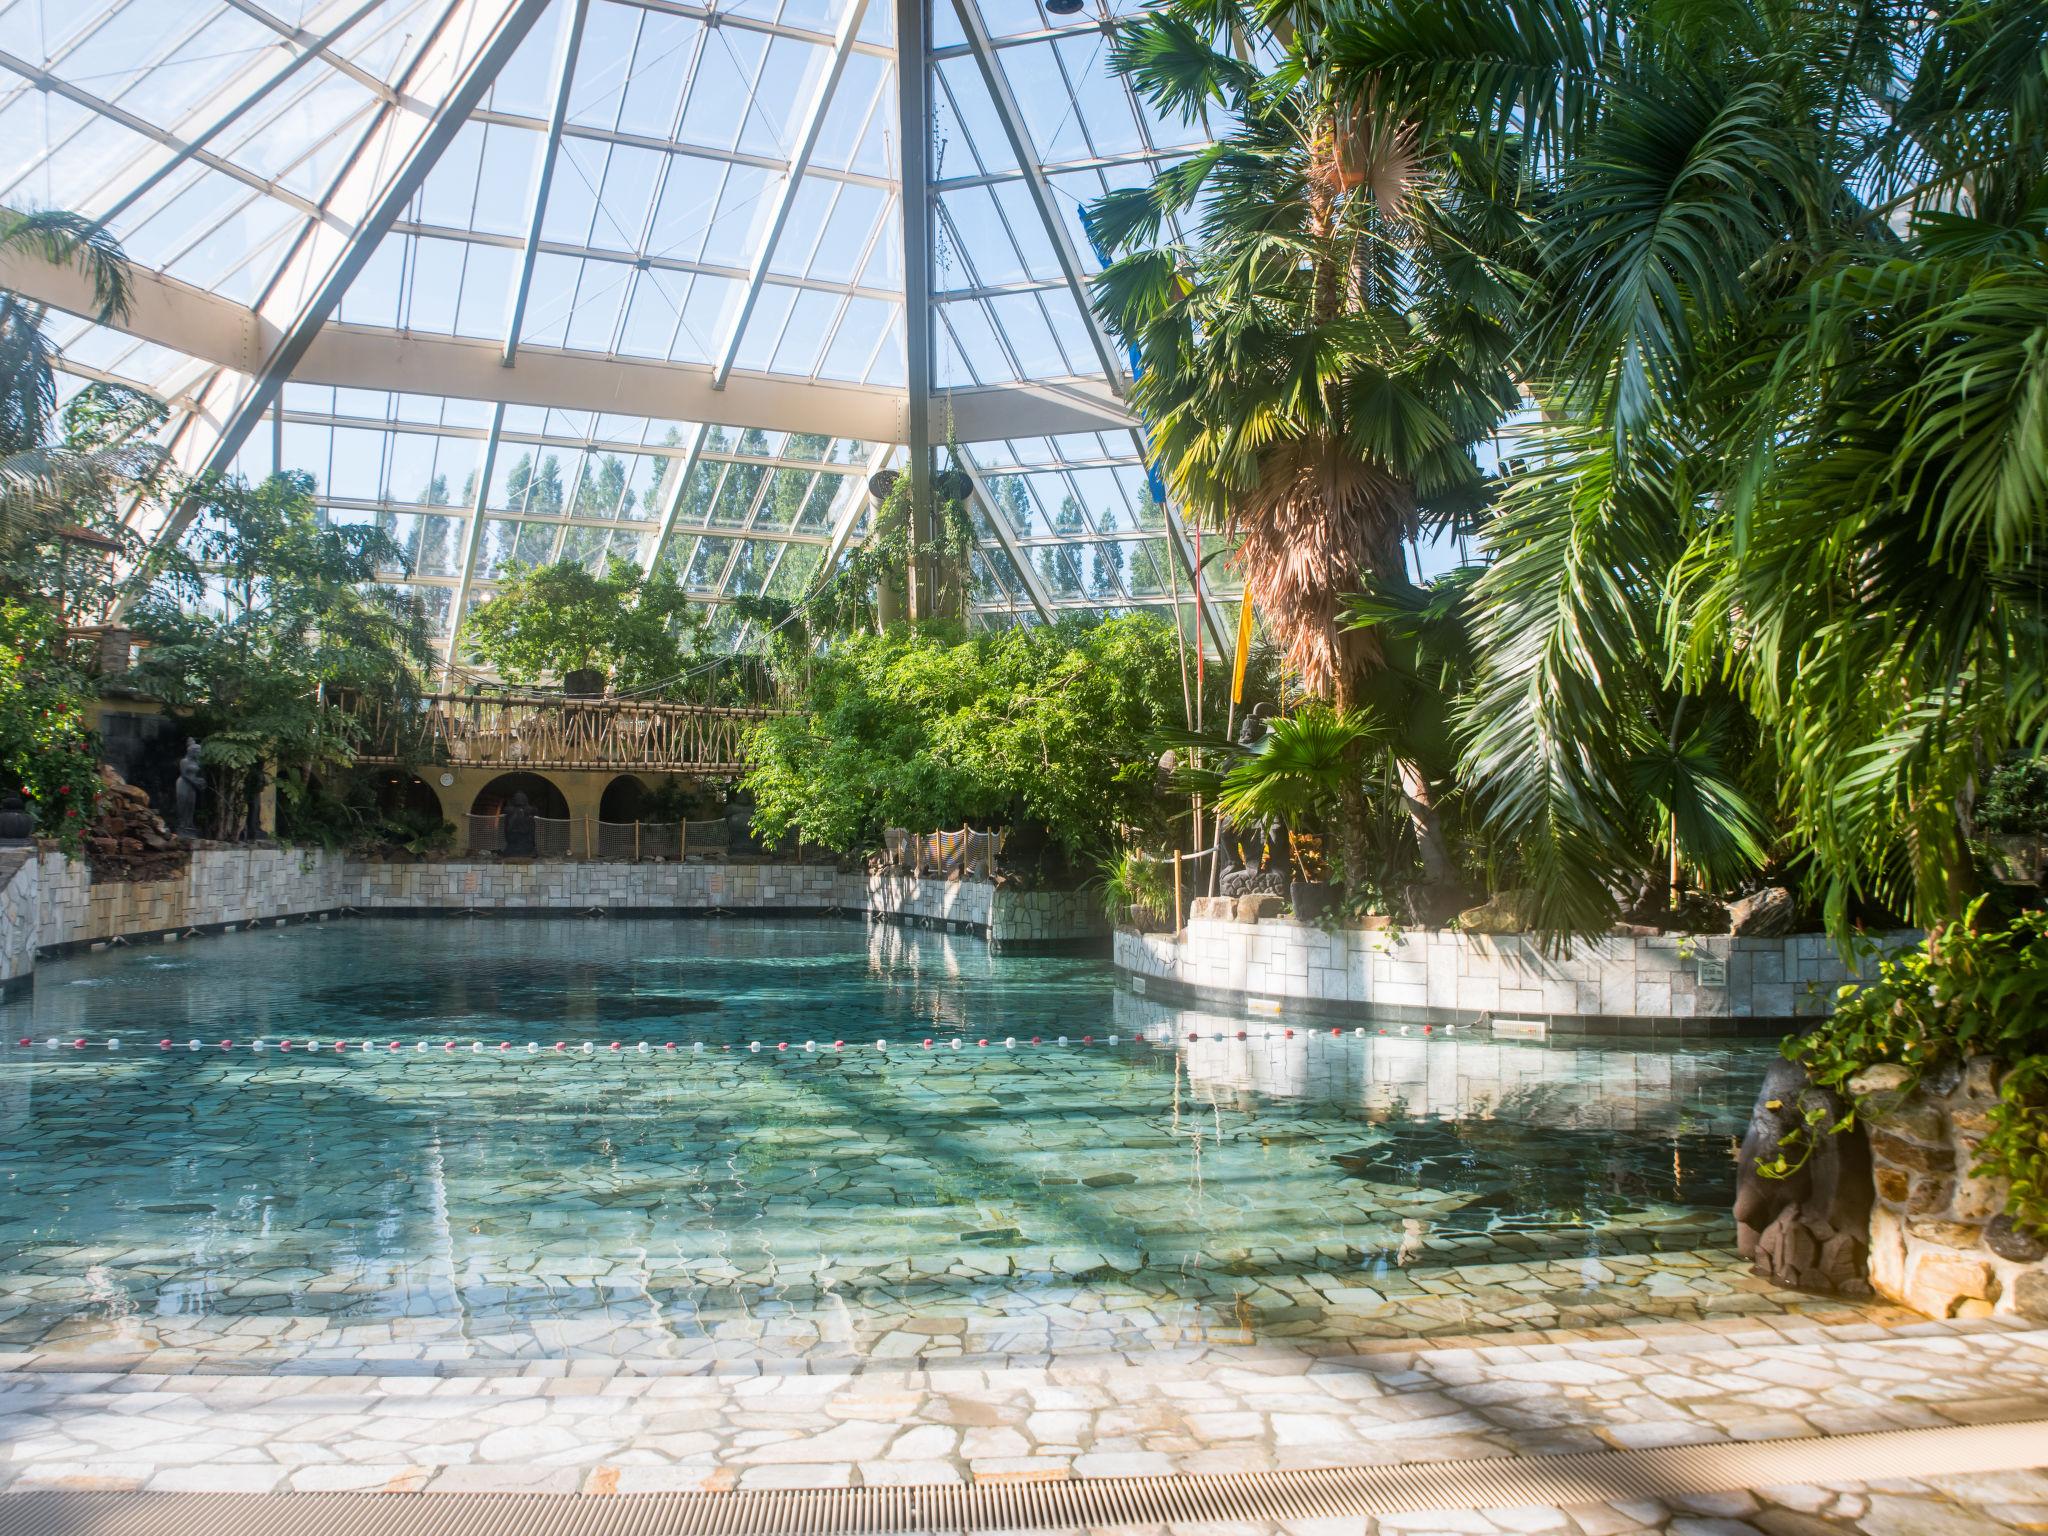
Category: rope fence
[947,854]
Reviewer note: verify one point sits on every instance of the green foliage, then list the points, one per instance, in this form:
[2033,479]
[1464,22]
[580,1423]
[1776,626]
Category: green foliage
[926,729]
[1133,878]
[260,615]
[1297,773]
[46,753]
[1965,992]
[545,621]
[2015,798]
[869,581]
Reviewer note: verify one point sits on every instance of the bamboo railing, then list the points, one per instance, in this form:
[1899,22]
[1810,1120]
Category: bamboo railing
[514,731]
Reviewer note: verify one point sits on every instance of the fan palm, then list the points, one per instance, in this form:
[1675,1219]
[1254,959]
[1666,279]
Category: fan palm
[39,477]
[1787,336]
[1320,362]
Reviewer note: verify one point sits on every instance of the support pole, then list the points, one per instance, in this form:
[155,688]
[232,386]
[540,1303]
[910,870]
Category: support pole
[913,113]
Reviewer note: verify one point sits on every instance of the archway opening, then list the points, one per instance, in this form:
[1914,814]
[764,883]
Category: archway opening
[547,801]
[624,799]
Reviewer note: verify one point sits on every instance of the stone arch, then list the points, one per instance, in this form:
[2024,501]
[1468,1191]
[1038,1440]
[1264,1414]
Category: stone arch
[623,798]
[545,796]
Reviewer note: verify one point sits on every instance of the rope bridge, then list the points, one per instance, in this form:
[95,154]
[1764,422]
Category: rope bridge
[515,731]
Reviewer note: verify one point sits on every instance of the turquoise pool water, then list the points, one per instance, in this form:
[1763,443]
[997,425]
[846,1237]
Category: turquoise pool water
[721,1205]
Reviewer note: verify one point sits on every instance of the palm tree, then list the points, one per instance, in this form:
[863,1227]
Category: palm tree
[39,477]
[1319,363]
[1788,498]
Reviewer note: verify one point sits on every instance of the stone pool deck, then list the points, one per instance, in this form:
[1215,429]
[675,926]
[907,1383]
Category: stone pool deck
[591,1426]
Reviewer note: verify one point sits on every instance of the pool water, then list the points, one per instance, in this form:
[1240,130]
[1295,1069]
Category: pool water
[721,1206]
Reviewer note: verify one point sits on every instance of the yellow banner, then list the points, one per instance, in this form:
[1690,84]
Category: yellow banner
[1244,649]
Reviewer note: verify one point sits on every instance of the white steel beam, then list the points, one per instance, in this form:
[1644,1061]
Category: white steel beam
[672,497]
[809,127]
[181,149]
[1040,188]
[472,542]
[1034,585]
[565,76]
[849,517]
[645,263]
[675,149]
[471,42]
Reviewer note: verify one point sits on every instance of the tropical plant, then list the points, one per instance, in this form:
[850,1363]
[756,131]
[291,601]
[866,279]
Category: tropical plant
[1784,503]
[1296,775]
[258,619]
[2015,798]
[547,621]
[47,754]
[1133,882]
[1320,363]
[1967,991]
[40,477]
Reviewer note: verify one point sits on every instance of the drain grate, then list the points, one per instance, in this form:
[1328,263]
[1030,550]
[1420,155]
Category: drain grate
[1244,1499]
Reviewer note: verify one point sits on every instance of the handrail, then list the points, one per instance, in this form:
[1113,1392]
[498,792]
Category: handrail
[539,731]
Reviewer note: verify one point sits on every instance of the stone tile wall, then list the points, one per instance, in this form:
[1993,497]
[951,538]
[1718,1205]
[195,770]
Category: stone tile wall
[19,887]
[1939,1238]
[1713,981]
[50,903]
[220,886]
[572,887]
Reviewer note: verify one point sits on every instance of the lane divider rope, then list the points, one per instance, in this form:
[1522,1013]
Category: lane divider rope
[550,1050]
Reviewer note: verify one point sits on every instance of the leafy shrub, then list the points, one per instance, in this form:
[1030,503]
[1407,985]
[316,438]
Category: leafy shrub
[2015,798]
[925,728]
[46,752]
[1963,993]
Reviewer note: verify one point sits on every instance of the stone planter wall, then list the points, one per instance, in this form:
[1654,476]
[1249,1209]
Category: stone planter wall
[20,885]
[1665,984]
[1939,1241]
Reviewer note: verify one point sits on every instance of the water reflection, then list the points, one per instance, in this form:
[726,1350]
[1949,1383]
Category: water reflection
[1042,1195]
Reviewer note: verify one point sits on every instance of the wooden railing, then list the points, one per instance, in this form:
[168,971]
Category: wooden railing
[513,731]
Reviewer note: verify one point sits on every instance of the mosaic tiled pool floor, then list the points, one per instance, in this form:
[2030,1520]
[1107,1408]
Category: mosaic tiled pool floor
[723,1208]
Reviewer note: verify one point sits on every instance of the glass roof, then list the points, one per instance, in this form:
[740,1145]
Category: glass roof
[558,209]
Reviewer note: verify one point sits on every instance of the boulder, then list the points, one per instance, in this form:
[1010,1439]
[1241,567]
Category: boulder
[1810,1230]
[1218,908]
[1763,915]
[2009,1240]
[1502,912]
[1257,906]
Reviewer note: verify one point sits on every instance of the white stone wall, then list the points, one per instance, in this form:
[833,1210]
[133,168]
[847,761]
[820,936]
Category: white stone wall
[487,885]
[1469,974]
[224,885]
[50,902]
[20,885]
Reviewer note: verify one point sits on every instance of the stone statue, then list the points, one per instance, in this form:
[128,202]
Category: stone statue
[518,823]
[1251,855]
[191,787]
[1810,1230]
[17,827]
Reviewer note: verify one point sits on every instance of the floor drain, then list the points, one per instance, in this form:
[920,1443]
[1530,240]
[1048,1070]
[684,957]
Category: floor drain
[1244,1499]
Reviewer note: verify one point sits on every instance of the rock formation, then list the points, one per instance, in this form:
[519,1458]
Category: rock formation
[1811,1229]
[128,840]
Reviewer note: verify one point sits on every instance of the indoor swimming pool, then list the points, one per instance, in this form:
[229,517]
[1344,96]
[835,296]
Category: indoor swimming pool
[678,1144]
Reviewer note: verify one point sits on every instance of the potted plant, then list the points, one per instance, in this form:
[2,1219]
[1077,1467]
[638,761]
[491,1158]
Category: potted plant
[1296,776]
